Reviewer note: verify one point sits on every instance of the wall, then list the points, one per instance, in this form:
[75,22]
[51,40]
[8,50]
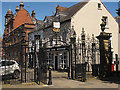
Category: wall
[89,18]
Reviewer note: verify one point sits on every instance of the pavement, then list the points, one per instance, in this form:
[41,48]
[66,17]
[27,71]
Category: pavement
[59,80]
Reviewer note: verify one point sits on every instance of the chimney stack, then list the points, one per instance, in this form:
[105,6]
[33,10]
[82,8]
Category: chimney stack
[33,14]
[21,5]
[17,9]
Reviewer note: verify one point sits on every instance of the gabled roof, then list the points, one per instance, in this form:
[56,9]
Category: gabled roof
[22,17]
[73,9]
[48,17]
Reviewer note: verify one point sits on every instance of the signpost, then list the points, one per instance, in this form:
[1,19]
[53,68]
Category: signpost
[56,26]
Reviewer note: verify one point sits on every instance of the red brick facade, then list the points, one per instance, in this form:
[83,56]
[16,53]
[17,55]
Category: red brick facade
[15,24]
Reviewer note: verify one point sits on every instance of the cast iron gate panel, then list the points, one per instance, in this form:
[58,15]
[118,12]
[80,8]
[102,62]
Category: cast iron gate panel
[81,72]
[42,66]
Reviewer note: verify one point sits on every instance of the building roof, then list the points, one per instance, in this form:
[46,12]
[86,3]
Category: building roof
[22,17]
[67,13]
[73,9]
[61,8]
[49,17]
[117,17]
[118,21]
[40,24]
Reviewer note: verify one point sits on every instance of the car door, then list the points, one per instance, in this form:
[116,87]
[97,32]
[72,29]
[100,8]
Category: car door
[9,67]
[4,68]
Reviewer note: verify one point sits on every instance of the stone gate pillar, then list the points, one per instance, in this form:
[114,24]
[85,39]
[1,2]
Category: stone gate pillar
[105,51]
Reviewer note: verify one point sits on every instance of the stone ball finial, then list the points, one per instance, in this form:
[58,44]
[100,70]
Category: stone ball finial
[9,11]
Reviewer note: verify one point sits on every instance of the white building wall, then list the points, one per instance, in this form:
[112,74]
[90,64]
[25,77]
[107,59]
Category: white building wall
[89,18]
[119,51]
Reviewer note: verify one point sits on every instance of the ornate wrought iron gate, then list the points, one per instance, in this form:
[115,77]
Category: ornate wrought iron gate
[40,62]
[84,53]
[40,68]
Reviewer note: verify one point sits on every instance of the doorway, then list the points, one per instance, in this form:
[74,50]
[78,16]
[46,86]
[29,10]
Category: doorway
[56,62]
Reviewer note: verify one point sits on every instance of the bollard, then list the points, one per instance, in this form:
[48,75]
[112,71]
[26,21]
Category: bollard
[68,72]
[116,62]
[50,77]
[84,72]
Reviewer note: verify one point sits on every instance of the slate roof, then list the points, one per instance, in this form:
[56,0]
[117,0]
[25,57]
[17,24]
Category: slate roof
[65,13]
[40,24]
[73,9]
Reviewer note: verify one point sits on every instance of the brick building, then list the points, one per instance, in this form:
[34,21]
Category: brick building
[15,24]
[0,48]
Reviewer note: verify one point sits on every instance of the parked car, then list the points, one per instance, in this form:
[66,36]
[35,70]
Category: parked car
[9,67]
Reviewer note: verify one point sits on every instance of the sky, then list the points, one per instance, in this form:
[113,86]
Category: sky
[43,9]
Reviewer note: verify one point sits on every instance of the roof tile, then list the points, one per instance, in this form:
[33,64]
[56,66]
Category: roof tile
[22,17]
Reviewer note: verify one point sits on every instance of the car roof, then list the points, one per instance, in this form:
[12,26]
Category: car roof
[7,60]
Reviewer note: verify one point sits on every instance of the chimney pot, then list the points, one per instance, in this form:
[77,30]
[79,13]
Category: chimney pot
[33,14]
[17,8]
[21,5]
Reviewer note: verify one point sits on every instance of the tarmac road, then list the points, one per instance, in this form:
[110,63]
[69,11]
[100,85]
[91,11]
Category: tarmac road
[59,80]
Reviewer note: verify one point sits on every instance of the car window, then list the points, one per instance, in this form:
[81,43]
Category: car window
[3,63]
[8,63]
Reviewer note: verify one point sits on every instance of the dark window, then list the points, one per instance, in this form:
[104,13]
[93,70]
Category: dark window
[3,63]
[105,19]
[99,5]
[7,63]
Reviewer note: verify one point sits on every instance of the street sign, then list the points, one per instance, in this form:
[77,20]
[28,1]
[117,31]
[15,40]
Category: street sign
[56,24]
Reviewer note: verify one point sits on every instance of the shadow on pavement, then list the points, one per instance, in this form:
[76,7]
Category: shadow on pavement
[115,79]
